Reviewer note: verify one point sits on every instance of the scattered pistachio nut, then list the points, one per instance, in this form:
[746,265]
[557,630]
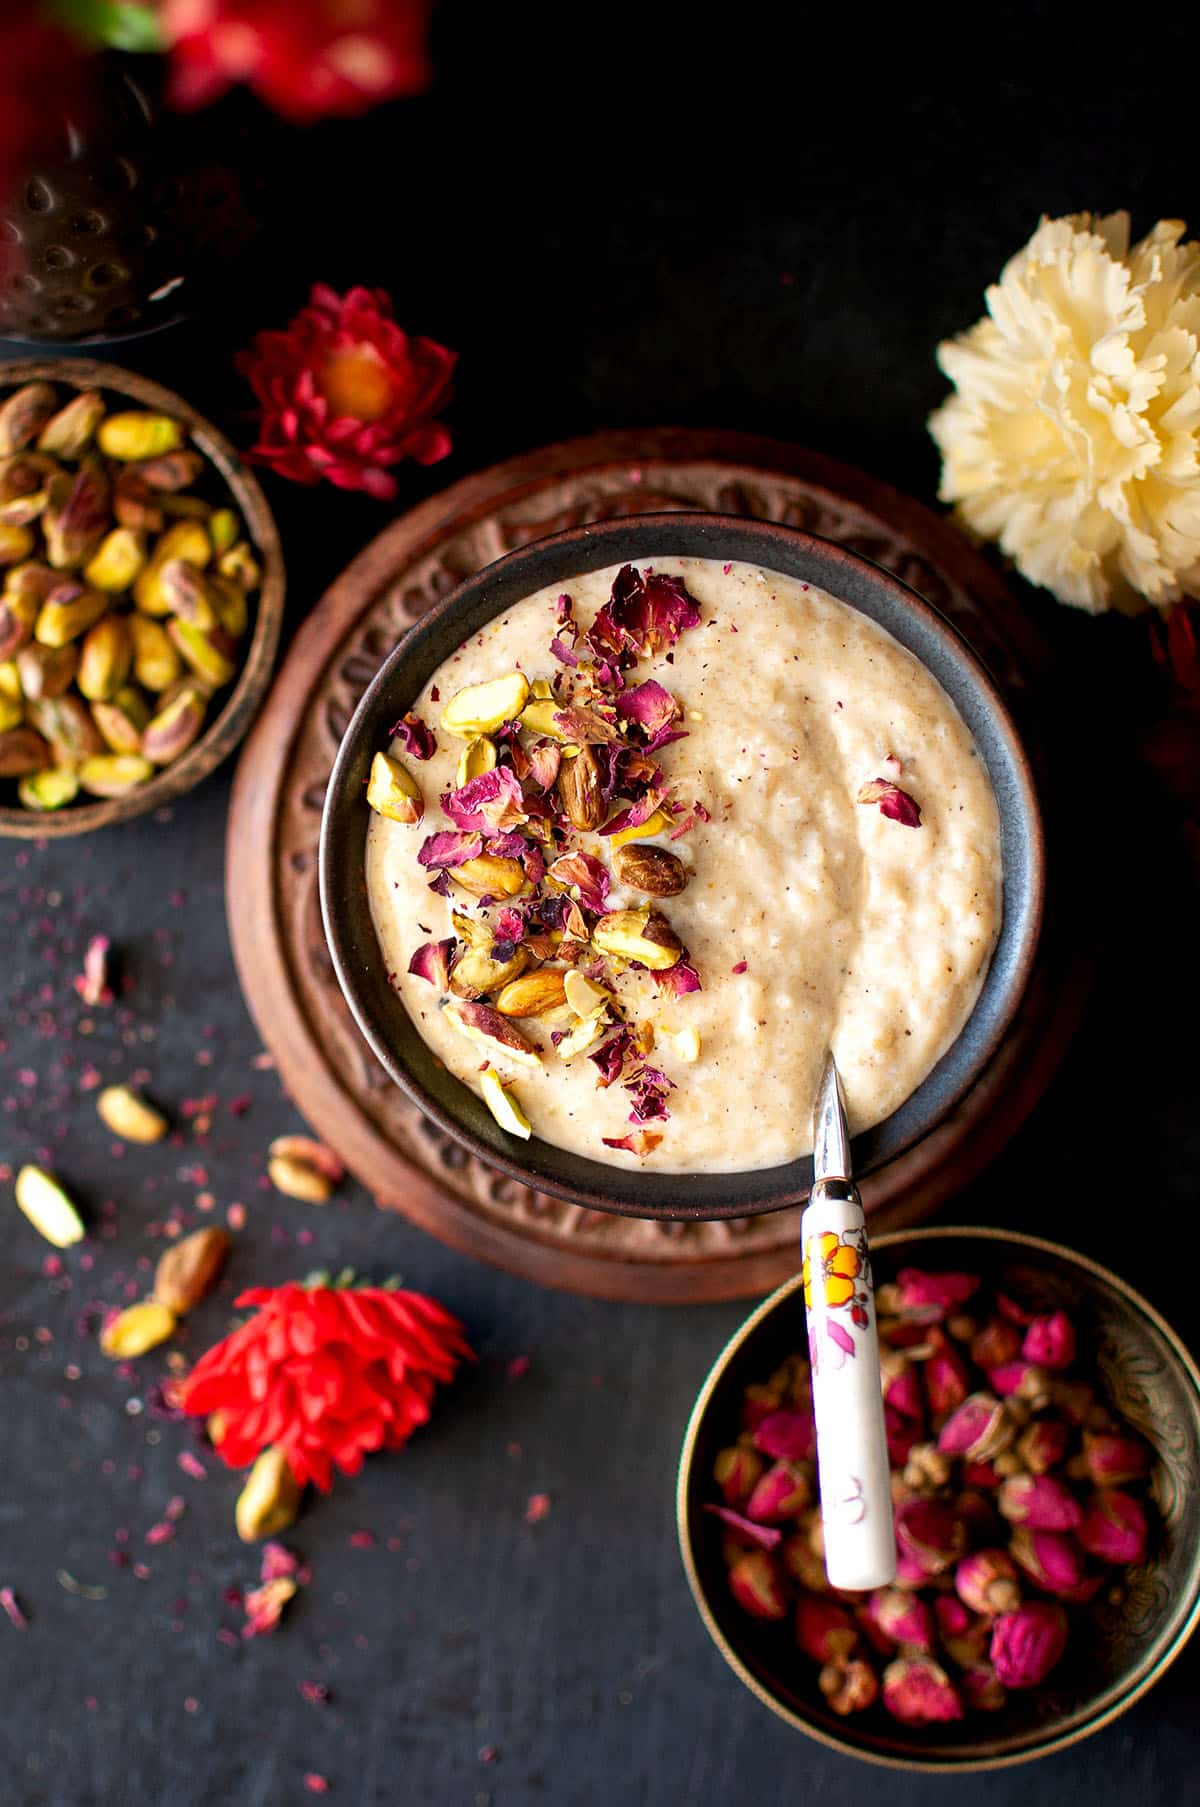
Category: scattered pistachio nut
[533,994]
[209,653]
[579,791]
[67,724]
[129,1116]
[24,414]
[117,560]
[70,430]
[47,670]
[651,869]
[189,1269]
[392,791]
[69,611]
[684,1044]
[584,1035]
[485,1026]
[657,823]
[475,972]
[482,708]
[76,515]
[503,1106]
[476,758]
[638,935]
[539,716]
[156,664]
[122,720]
[490,875]
[583,994]
[303,1168]
[137,1330]
[270,1500]
[48,1207]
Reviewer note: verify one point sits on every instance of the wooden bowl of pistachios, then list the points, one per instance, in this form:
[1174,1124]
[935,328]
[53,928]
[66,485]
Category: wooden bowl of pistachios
[141,597]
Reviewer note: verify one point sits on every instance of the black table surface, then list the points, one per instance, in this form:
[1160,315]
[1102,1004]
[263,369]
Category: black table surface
[726,228]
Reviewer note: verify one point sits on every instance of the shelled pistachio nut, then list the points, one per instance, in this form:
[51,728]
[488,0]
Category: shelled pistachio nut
[189,1269]
[503,1106]
[270,1500]
[18,613]
[47,670]
[48,1207]
[114,774]
[188,593]
[533,994]
[490,875]
[476,973]
[187,540]
[303,1168]
[137,1330]
[68,612]
[172,471]
[136,434]
[105,658]
[210,654]
[117,560]
[156,664]
[476,758]
[24,414]
[122,720]
[223,526]
[66,723]
[127,1114]
[482,708]
[638,935]
[76,515]
[239,565]
[50,789]
[16,543]
[69,431]
[172,731]
[22,750]
[12,712]
[10,681]
[392,791]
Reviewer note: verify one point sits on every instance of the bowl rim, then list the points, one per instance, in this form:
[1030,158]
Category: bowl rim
[604,1186]
[227,728]
[1125,1697]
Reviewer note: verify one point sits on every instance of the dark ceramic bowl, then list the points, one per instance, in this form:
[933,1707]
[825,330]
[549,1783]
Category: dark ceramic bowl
[1136,1629]
[359,964]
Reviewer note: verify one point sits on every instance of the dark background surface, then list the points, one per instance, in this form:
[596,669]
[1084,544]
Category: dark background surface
[722,228]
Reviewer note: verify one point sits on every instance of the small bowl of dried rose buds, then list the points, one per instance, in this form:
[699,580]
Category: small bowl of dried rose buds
[1044,1431]
[141,597]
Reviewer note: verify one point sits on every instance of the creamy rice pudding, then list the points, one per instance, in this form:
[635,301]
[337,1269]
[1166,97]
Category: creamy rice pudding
[657,868]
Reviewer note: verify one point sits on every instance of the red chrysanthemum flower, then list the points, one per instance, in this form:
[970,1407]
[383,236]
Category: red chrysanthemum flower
[345,393]
[326,1374]
[306,58]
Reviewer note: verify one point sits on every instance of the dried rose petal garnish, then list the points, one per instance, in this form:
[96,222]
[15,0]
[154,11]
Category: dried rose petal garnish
[984,1530]
[92,983]
[893,803]
[416,737]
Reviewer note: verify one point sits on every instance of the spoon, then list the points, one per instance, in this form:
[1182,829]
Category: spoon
[843,1341]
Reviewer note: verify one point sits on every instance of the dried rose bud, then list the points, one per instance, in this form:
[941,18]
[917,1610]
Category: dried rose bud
[1113,1459]
[758,1403]
[979,1430]
[1041,1501]
[986,1581]
[741,1534]
[981,1474]
[901,1384]
[787,1436]
[962,1327]
[910,1571]
[1026,1644]
[929,1532]
[849,1687]
[997,1344]
[1050,1558]
[982,1688]
[900,1617]
[1050,1341]
[978,1514]
[783,1491]
[1114,1527]
[1022,1380]
[1013,1311]
[804,1564]
[824,1629]
[1076,1400]
[917,1691]
[902,1434]
[954,1617]
[1007,1463]
[927,1468]
[758,1587]
[919,1289]
[947,1382]
[736,1470]
[1043,1444]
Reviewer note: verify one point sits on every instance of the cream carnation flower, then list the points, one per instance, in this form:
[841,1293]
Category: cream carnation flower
[1074,435]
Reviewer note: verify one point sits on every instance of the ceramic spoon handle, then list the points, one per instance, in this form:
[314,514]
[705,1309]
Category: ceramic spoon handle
[852,1457]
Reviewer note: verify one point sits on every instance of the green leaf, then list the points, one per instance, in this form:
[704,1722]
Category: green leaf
[121,24]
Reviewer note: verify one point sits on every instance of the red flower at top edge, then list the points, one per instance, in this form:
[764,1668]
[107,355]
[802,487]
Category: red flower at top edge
[305,58]
[326,1374]
[346,393]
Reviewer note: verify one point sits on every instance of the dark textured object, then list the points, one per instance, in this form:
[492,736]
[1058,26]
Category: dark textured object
[240,703]
[1139,1626]
[405,1159]
[359,962]
[115,234]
